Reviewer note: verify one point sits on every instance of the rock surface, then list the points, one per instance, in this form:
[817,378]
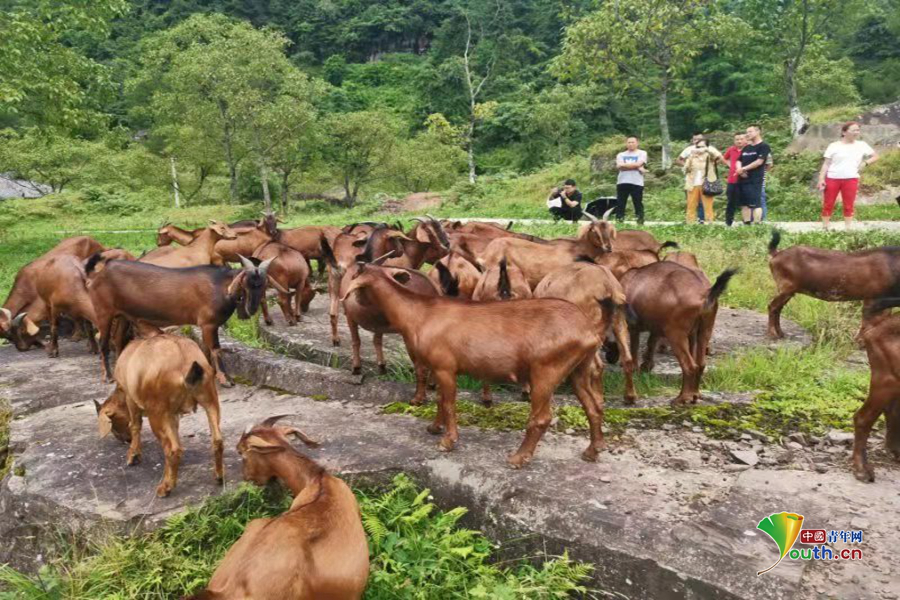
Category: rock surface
[654,527]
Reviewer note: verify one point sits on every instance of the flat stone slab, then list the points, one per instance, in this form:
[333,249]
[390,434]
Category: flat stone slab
[654,526]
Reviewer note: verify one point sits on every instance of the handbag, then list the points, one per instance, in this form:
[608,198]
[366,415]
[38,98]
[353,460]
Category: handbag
[712,188]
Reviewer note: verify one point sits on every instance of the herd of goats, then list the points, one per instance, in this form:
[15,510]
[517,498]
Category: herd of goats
[500,306]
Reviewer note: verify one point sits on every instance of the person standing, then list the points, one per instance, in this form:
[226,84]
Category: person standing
[565,203]
[731,156]
[630,182]
[751,170]
[682,158]
[699,168]
[839,174]
[770,164]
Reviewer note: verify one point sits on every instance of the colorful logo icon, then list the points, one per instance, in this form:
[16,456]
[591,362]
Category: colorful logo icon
[783,528]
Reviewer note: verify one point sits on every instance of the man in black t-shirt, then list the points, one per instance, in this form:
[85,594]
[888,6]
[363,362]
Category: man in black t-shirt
[751,170]
[565,203]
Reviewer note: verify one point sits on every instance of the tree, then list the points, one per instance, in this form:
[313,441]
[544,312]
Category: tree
[224,79]
[647,44]
[46,80]
[427,162]
[47,160]
[787,32]
[358,146]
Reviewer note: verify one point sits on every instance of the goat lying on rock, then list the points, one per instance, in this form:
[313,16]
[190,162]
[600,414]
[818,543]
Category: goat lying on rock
[316,550]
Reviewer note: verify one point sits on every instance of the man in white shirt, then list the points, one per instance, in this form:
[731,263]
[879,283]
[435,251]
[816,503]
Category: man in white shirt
[630,182]
[844,160]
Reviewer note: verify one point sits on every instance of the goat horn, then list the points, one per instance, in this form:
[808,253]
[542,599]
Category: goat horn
[7,312]
[246,262]
[419,219]
[264,266]
[607,213]
[430,217]
[97,406]
[18,320]
[592,218]
[272,420]
[384,257]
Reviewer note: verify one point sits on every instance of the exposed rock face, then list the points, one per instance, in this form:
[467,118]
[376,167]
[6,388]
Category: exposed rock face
[880,128]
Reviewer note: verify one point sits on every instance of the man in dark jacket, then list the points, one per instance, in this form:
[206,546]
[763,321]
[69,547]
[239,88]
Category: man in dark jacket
[565,203]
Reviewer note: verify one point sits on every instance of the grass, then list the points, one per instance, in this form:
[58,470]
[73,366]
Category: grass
[417,551]
[5,418]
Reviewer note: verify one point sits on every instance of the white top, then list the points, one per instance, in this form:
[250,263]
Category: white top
[846,158]
[631,175]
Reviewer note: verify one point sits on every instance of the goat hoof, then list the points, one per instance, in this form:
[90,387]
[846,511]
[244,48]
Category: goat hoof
[53,353]
[630,399]
[133,460]
[487,403]
[517,461]
[163,490]
[589,455]
[434,429]
[270,322]
[382,369]
[865,473]
[677,402]
[357,370]
[335,342]
[446,445]
[227,383]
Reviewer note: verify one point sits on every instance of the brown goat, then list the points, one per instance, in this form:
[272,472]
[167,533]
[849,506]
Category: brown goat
[880,334]
[245,243]
[23,300]
[596,291]
[537,341]
[537,260]
[316,550]
[677,303]
[291,271]
[830,275]
[165,377]
[201,251]
[306,241]
[465,273]
[169,233]
[62,286]
[620,262]
[348,249]
[205,296]
[429,241]
[685,259]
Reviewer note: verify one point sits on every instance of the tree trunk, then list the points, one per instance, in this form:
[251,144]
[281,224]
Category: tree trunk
[229,153]
[470,145]
[664,122]
[264,175]
[285,188]
[799,121]
[175,183]
[348,197]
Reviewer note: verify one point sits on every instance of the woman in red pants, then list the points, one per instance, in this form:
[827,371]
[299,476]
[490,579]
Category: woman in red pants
[844,160]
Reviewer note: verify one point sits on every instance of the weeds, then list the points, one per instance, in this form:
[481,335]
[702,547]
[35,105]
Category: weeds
[417,552]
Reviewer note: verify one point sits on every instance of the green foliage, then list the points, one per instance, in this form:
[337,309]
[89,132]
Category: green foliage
[417,552]
[359,145]
[426,163]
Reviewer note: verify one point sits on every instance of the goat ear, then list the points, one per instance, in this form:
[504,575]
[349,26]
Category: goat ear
[104,424]
[286,431]
[236,283]
[401,277]
[422,235]
[31,328]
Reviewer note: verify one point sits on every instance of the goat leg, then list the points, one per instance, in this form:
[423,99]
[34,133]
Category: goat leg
[630,392]
[284,302]
[486,398]
[218,446]
[104,325]
[421,394]
[538,420]
[892,433]
[775,308]
[355,345]
[447,411]
[53,349]
[213,351]
[264,308]
[165,428]
[649,359]
[378,342]
[590,394]
[133,456]
[863,420]
[680,343]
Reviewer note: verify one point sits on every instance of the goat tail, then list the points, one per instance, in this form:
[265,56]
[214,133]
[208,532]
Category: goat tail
[327,251]
[718,288]
[92,263]
[773,243]
[669,244]
[509,226]
[873,307]
[631,316]
[504,289]
[449,283]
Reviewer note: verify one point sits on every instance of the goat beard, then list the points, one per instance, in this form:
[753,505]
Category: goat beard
[242,307]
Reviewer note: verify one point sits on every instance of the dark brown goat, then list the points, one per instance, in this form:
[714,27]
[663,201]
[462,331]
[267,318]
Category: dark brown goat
[537,341]
[291,271]
[880,334]
[830,275]
[677,303]
[316,550]
[204,296]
